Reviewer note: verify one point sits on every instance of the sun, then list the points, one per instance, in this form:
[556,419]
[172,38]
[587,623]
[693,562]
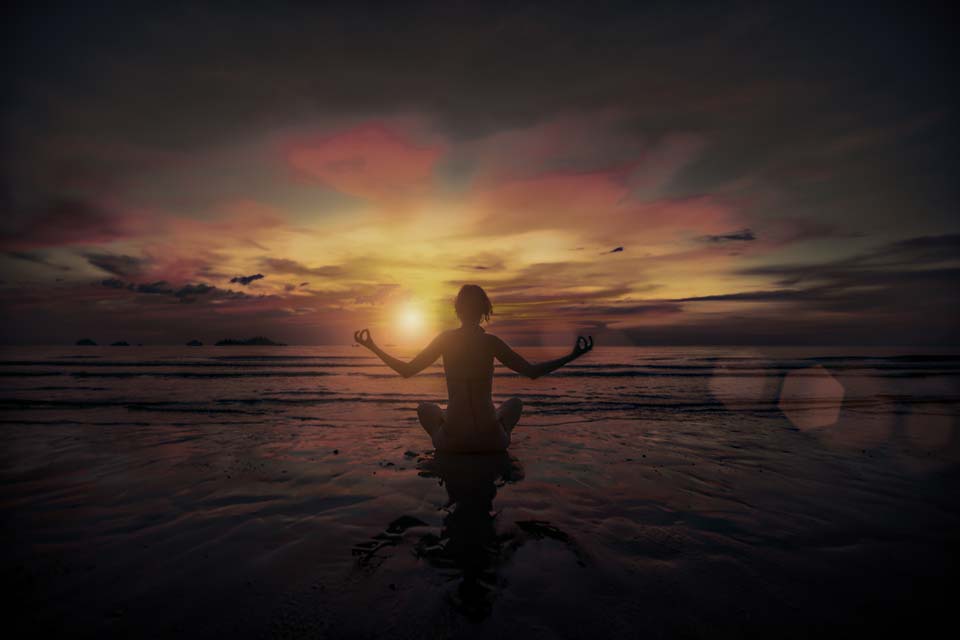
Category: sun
[411,320]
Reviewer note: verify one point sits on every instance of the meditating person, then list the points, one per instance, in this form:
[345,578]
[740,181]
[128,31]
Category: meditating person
[470,422]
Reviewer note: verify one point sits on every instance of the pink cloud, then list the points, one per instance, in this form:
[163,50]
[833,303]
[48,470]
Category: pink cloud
[600,205]
[594,173]
[584,143]
[369,161]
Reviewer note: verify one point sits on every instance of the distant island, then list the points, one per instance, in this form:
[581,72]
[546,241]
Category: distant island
[120,343]
[194,343]
[86,342]
[256,341]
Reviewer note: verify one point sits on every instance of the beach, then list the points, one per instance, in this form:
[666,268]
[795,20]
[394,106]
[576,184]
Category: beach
[290,492]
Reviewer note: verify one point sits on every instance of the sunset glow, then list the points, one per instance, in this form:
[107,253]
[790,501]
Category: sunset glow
[664,205]
[411,321]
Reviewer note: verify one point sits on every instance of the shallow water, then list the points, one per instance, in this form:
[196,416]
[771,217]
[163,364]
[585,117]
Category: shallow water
[654,492]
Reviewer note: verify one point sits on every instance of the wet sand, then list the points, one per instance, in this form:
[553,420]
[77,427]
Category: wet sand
[642,528]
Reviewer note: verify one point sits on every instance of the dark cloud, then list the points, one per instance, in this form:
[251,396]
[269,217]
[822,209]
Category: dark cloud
[189,292]
[113,283]
[118,265]
[481,262]
[63,222]
[36,259]
[186,293]
[158,287]
[617,250]
[913,251]
[245,280]
[899,293]
[776,295]
[877,265]
[744,235]
[292,267]
[626,309]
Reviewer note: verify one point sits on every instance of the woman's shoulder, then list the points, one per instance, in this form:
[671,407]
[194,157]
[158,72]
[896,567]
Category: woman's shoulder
[493,340]
[460,336]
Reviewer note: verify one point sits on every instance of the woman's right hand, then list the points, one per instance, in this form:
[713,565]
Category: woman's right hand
[582,346]
[362,337]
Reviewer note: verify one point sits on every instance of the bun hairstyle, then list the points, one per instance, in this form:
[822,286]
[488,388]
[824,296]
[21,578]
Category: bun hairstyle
[472,304]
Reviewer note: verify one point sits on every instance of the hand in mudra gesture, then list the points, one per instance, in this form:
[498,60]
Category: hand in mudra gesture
[362,337]
[583,346]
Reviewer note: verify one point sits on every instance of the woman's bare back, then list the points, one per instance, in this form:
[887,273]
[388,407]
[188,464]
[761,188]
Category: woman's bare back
[470,421]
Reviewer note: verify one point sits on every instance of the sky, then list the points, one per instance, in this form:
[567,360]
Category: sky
[650,174]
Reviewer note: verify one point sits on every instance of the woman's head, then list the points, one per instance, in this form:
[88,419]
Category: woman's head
[472,304]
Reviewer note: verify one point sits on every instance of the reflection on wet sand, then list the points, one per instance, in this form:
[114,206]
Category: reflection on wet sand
[468,549]
[468,546]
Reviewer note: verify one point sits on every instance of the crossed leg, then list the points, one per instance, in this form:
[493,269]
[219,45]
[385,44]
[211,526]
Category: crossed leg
[509,414]
[431,417]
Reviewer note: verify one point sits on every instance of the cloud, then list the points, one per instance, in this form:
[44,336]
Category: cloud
[596,206]
[185,293]
[36,259]
[292,267]
[744,235]
[369,161]
[70,221]
[903,291]
[246,280]
[158,287]
[113,283]
[188,292]
[484,261]
[776,295]
[886,261]
[118,265]
[375,295]
[924,249]
[631,310]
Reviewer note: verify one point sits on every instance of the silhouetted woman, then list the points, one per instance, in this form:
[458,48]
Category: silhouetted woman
[471,423]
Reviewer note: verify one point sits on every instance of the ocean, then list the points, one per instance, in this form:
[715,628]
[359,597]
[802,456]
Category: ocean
[322,386]
[290,490]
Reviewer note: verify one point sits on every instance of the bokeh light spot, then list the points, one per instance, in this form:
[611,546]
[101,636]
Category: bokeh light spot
[811,398]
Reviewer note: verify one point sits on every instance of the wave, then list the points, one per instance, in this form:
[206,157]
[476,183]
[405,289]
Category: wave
[292,358]
[712,373]
[175,364]
[900,358]
[205,375]
[623,373]
[555,403]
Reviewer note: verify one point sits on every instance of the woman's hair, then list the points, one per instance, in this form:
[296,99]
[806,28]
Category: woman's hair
[473,304]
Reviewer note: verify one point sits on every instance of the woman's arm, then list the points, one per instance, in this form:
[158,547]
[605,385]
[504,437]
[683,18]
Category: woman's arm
[516,362]
[406,369]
